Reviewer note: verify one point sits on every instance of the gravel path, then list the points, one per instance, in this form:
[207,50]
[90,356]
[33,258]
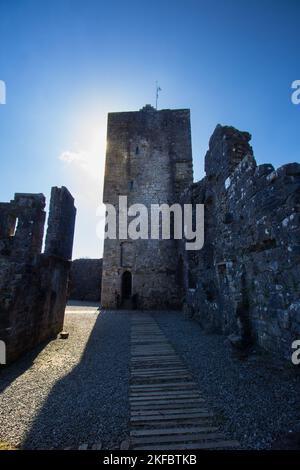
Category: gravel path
[257,400]
[73,391]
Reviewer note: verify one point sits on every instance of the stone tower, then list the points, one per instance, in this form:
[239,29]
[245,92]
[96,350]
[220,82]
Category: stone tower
[149,160]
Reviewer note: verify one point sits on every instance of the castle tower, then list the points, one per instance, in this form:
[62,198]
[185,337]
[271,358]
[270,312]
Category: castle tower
[149,160]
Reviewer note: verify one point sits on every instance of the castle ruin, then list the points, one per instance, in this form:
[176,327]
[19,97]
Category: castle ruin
[245,280]
[33,285]
[149,160]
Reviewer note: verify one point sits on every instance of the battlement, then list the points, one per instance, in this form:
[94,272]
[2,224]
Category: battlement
[148,117]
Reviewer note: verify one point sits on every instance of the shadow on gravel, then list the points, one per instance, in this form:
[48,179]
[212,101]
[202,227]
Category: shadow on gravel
[12,371]
[90,404]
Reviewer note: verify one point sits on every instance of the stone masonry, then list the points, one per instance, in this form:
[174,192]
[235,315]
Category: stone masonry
[149,160]
[245,280]
[85,279]
[33,285]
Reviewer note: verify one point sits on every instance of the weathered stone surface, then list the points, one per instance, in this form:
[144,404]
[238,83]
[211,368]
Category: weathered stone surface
[85,279]
[245,281]
[247,275]
[61,224]
[33,286]
[149,160]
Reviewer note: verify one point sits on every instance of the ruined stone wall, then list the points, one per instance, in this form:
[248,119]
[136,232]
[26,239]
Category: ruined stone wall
[149,160]
[61,223]
[33,286]
[246,278]
[85,279]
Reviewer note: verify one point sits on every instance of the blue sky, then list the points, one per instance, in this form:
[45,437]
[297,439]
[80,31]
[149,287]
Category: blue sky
[67,63]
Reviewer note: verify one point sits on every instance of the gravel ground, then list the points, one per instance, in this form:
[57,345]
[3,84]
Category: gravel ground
[73,391]
[256,400]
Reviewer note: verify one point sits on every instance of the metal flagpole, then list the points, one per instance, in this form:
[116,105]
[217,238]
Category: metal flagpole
[158,89]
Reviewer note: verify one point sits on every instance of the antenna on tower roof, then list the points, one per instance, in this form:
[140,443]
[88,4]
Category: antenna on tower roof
[158,89]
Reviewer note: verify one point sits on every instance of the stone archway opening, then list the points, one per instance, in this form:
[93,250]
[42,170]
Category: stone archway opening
[126,286]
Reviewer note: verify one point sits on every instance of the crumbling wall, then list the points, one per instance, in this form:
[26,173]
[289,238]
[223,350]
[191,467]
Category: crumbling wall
[247,275]
[33,286]
[85,279]
[61,223]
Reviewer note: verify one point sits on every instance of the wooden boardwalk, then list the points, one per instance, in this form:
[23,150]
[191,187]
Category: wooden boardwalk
[166,408]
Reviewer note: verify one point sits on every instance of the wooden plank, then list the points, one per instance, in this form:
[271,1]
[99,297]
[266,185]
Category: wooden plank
[168,411]
[153,380]
[151,339]
[144,364]
[168,431]
[150,362]
[163,379]
[164,358]
[162,369]
[153,355]
[175,416]
[163,386]
[167,403]
[184,438]
[160,375]
[159,370]
[162,389]
[150,347]
[154,395]
[157,394]
[166,407]
[143,370]
[147,403]
[171,423]
[149,344]
[203,445]
[164,373]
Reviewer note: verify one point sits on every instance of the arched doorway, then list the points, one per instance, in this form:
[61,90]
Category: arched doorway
[126,285]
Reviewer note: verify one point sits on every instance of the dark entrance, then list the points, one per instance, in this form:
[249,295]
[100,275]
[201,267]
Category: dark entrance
[126,285]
